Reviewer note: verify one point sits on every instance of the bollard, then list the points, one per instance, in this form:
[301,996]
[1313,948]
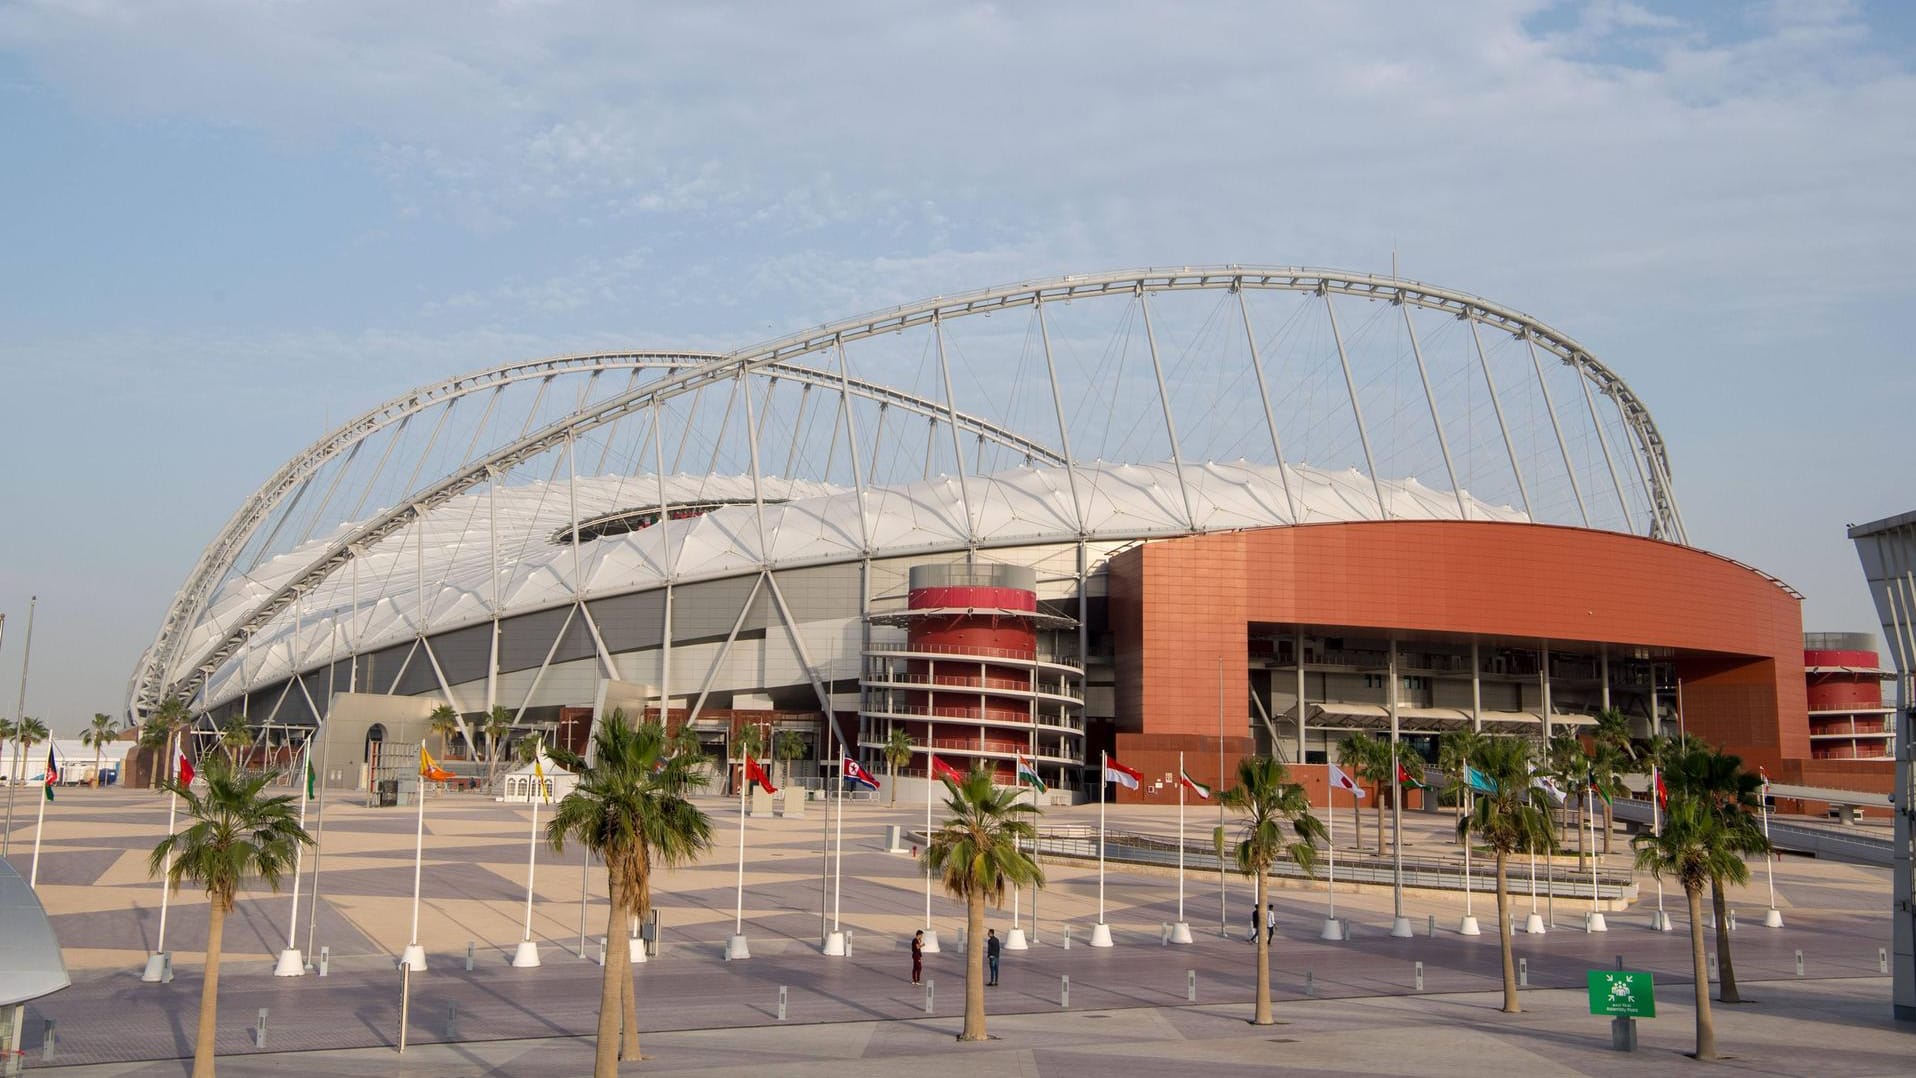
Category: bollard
[848,943]
[452,1020]
[1523,973]
[1732,920]
[1164,934]
[1417,977]
[1310,983]
[1712,974]
[469,954]
[1799,963]
[47,1041]
[325,959]
[1067,937]
[1431,929]
[259,1030]
[1064,990]
[928,986]
[166,968]
[601,950]
[781,1002]
[1623,1034]
[1190,986]
[1619,961]
[1882,960]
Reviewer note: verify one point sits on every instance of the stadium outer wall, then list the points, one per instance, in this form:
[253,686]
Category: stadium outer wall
[1733,635]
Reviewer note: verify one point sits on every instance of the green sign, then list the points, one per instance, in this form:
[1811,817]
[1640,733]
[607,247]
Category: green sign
[1620,994]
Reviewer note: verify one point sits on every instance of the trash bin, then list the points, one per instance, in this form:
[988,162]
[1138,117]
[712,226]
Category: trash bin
[388,792]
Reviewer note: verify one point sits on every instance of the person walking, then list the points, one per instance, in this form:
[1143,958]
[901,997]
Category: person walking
[1270,922]
[992,947]
[1255,914]
[917,955]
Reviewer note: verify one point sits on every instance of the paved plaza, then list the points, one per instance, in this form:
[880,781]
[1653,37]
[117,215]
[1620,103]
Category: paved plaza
[1351,1006]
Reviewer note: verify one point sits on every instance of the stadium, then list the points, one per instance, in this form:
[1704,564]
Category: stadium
[1172,515]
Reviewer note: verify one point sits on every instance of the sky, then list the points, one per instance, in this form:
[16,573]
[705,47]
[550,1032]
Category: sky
[230,224]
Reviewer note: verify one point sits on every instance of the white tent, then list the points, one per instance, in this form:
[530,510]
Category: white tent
[522,786]
[75,760]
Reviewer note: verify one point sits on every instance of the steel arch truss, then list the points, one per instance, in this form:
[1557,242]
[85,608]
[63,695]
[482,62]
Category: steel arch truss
[167,669]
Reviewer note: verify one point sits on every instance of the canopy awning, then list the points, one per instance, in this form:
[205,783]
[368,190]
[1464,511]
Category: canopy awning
[1432,720]
[31,965]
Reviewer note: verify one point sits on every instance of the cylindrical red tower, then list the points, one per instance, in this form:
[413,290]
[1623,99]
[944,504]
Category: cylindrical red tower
[1847,718]
[972,681]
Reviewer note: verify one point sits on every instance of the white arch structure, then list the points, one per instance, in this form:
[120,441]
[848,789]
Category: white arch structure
[1391,379]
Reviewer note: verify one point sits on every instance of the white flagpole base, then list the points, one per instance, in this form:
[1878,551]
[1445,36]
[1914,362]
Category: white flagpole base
[1534,924]
[1773,918]
[636,947]
[1468,927]
[835,945]
[526,955]
[155,970]
[1181,932]
[290,964]
[1659,921]
[931,941]
[1400,929]
[1333,929]
[414,958]
[1015,940]
[1100,935]
[1594,922]
[736,949]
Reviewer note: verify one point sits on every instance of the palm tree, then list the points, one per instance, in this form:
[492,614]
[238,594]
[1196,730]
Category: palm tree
[498,727]
[95,736]
[1566,764]
[977,852]
[444,722]
[1455,750]
[1368,758]
[167,722]
[27,733]
[234,737]
[1610,765]
[631,809]
[1719,782]
[788,746]
[1510,821]
[1269,801]
[8,731]
[1694,846]
[897,753]
[236,833]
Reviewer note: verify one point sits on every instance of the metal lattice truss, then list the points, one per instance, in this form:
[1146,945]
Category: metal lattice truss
[1086,409]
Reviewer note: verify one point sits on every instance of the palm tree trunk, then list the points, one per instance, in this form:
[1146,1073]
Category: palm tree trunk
[1609,824]
[1726,970]
[1511,1006]
[1705,1024]
[628,997]
[974,967]
[1262,1016]
[204,1047]
[96,765]
[894,784]
[605,1056]
[1380,823]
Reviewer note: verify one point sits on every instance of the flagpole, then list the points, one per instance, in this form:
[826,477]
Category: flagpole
[414,957]
[319,825]
[172,808]
[16,765]
[838,857]
[290,962]
[1773,917]
[40,820]
[527,953]
[1595,923]
[736,946]
[1104,763]
[1330,842]
[1661,922]
[1181,839]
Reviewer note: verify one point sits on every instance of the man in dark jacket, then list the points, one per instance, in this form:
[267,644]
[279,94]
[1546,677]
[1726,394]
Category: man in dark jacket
[992,946]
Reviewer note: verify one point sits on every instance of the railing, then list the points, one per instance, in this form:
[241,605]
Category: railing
[1430,873]
[1015,718]
[906,650]
[1054,688]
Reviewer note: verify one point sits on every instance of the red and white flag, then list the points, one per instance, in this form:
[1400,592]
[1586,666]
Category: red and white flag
[858,774]
[1342,781]
[755,773]
[943,770]
[1129,778]
[182,767]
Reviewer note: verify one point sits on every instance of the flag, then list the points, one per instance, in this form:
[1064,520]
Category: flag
[1124,776]
[53,772]
[539,773]
[312,786]
[430,770]
[1663,792]
[1404,778]
[182,767]
[1765,775]
[1028,775]
[1193,785]
[755,773]
[851,770]
[1548,786]
[1597,787]
[1478,781]
[1342,781]
[943,770]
